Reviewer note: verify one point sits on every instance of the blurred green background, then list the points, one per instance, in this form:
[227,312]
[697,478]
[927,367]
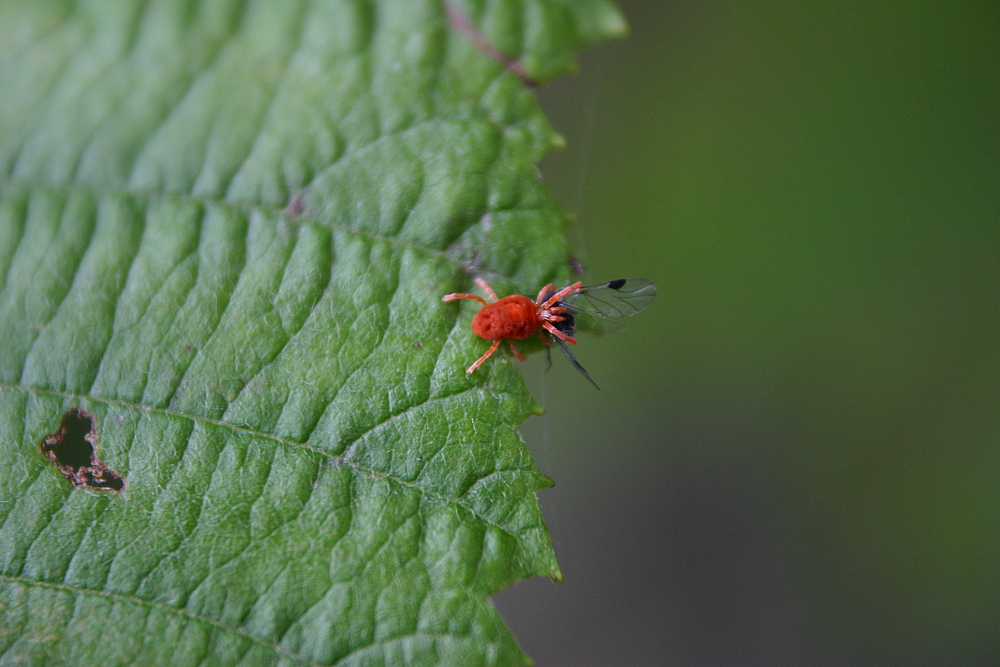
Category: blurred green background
[795,458]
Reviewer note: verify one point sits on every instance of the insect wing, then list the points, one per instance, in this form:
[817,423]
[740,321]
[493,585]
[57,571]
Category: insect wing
[585,320]
[617,298]
[598,308]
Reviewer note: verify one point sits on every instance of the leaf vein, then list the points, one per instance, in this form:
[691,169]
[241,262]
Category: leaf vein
[151,605]
[123,283]
[79,259]
[164,331]
[264,364]
[102,506]
[15,245]
[363,363]
[226,294]
[275,90]
[174,471]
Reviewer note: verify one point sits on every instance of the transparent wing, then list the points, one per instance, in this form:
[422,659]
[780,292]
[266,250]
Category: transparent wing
[597,308]
[618,298]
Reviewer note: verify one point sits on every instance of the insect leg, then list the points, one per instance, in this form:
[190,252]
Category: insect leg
[517,353]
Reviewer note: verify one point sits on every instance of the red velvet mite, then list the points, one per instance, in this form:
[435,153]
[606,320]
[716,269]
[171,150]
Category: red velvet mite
[554,312]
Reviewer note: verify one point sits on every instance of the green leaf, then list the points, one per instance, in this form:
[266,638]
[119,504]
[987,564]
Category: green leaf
[225,230]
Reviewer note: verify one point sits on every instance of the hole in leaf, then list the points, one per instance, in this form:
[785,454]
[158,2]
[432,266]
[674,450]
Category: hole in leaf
[73,450]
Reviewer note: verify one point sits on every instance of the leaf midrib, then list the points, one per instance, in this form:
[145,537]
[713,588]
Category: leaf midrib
[373,473]
[177,611]
[245,207]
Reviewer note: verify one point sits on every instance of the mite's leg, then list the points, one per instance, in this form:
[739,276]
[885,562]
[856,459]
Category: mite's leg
[558,334]
[480,360]
[541,293]
[460,295]
[517,353]
[475,297]
[561,294]
[486,288]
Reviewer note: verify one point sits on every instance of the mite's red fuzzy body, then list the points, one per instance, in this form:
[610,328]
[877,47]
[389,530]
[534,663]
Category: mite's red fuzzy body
[514,317]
